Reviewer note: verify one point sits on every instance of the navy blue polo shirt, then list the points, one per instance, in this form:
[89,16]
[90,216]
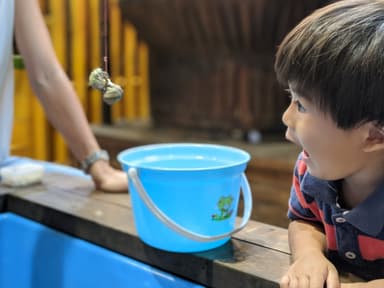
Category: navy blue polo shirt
[355,238]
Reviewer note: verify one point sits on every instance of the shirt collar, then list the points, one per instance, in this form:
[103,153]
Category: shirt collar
[322,190]
[368,216]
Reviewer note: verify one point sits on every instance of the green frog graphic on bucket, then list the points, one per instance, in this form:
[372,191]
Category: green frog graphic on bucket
[225,207]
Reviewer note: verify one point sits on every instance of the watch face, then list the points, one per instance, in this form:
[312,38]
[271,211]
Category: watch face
[92,158]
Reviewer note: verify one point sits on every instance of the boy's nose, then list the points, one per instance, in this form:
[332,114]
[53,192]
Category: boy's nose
[287,117]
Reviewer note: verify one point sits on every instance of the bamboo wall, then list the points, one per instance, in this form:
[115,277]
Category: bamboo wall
[211,64]
[212,60]
[76,29]
[30,125]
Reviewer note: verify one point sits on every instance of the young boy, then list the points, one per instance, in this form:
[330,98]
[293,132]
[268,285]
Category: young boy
[333,66]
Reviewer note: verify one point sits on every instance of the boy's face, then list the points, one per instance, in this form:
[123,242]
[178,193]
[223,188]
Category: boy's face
[330,153]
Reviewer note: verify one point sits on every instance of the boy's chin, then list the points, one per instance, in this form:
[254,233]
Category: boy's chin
[323,175]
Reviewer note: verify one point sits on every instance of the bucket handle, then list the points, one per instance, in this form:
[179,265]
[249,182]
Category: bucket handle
[247,197]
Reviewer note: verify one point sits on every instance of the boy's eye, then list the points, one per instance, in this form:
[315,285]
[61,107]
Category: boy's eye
[299,106]
[295,101]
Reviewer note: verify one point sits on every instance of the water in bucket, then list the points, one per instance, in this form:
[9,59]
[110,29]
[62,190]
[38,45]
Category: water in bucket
[184,195]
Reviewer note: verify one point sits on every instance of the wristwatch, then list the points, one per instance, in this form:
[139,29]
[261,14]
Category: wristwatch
[92,158]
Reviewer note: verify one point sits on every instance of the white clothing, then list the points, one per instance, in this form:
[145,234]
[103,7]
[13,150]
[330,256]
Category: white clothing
[7,14]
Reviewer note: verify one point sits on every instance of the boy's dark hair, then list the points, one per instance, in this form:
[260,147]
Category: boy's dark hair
[335,58]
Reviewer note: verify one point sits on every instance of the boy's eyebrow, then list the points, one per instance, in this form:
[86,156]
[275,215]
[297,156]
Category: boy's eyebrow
[291,86]
[292,93]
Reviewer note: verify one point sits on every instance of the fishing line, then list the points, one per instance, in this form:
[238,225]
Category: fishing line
[99,78]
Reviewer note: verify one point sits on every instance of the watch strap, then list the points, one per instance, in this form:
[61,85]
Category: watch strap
[92,158]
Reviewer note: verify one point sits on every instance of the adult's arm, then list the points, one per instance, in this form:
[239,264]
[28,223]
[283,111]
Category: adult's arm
[56,93]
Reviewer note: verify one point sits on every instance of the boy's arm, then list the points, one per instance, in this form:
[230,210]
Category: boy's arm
[371,284]
[310,267]
[305,238]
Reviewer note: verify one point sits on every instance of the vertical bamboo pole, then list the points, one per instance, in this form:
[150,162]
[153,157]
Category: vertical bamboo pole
[22,136]
[130,49]
[58,35]
[115,29]
[95,100]
[29,133]
[78,67]
[34,125]
[144,110]
[40,139]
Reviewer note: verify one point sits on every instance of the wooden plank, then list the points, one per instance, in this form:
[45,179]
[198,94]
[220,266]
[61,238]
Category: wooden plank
[255,257]
[110,225]
[265,235]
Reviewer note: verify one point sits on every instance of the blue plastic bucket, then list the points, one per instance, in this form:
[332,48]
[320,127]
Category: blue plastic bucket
[185,196]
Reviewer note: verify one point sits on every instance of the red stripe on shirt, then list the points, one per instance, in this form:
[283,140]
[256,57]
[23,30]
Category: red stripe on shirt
[371,248]
[311,206]
[301,167]
[291,209]
[330,234]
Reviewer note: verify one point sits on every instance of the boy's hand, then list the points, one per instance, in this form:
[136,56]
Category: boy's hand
[312,270]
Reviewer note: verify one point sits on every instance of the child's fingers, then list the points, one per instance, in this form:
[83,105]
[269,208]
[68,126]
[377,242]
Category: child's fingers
[333,279]
[317,282]
[284,282]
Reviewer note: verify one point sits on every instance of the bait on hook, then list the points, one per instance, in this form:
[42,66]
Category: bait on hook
[99,79]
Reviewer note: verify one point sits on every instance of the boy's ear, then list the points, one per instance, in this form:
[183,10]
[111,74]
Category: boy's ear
[374,138]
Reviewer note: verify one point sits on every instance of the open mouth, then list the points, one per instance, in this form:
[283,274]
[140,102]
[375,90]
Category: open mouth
[305,155]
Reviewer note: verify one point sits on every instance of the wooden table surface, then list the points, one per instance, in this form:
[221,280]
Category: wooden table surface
[255,257]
